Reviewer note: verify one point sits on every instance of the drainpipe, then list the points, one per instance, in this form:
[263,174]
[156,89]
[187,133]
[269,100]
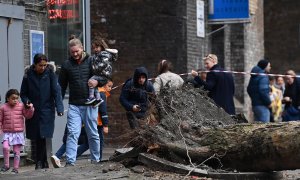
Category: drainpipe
[9,22]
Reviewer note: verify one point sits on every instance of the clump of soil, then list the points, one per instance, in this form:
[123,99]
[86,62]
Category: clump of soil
[190,105]
[184,111]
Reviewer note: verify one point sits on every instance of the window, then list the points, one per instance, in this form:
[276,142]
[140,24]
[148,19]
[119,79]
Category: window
[65,18]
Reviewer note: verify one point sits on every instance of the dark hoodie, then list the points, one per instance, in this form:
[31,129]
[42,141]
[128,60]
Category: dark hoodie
[133,93]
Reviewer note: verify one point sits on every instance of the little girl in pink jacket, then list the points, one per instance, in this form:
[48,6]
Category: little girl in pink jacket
[12,114]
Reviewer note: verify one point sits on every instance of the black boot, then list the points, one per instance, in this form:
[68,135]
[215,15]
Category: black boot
[45,165]
[39,165]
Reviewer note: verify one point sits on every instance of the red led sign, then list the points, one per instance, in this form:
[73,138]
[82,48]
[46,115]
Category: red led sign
[61,2]
[62,14]
[63,9]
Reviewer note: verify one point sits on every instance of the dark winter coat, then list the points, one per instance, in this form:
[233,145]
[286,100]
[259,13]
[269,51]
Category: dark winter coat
[291,109]
[258,88]
[133,93]
[221,88]
[293,91]
[44,92]
[76,76]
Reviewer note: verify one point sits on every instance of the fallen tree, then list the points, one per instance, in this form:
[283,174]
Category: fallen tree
[187,127]
[164,165]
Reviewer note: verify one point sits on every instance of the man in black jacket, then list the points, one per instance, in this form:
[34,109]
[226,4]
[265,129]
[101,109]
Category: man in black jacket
[219,84]
[75,73]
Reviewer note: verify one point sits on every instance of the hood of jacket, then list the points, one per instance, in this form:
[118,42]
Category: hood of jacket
[49,67]
[257,69]
[137,73]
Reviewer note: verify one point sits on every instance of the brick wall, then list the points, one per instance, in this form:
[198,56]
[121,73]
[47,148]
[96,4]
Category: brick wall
[217,40]
[282,41]
[237,59]
[239,46]
[35,19]
[254,48]
[196,47]
[145,32]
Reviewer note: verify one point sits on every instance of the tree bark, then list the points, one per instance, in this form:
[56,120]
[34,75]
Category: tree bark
[243,147]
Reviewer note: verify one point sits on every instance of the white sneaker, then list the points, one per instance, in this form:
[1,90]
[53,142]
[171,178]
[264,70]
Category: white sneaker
[55,162]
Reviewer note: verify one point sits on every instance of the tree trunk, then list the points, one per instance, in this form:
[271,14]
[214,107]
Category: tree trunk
[244,147]
[187,123]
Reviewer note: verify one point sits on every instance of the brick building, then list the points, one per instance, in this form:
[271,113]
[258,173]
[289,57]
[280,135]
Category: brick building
[144,32]
[147,31]
[282,34]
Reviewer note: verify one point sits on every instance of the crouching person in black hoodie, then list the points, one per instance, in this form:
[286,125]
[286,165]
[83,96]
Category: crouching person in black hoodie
[134,96]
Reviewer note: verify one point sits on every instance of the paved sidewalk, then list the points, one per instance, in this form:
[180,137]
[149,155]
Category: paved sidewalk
[84,159]
[84,170]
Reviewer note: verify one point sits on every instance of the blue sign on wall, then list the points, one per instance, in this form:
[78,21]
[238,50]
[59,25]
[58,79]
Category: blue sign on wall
[228,10]
[36,43]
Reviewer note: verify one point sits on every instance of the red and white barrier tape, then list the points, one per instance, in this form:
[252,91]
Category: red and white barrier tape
[250,73]
[232,72]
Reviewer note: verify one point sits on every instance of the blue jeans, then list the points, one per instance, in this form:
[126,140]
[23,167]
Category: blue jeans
[61,151]
[78,115]
[83,147]
[80,150]
[261,113]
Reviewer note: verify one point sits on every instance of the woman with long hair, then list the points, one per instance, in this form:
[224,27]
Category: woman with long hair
[166,78]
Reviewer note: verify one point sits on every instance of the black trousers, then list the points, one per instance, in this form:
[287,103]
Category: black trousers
[133,120]
[40,150]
